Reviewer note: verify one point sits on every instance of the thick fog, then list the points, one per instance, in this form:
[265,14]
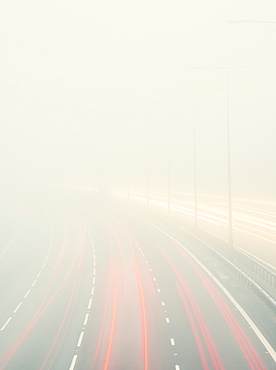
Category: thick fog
[94,93]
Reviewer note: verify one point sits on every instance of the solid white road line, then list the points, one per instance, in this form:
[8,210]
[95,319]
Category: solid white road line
[264,341]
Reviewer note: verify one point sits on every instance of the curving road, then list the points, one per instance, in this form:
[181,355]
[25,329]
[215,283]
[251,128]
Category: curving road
[86,284]
[254,222]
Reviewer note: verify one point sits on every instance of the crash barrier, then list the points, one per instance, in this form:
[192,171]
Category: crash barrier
[261,277]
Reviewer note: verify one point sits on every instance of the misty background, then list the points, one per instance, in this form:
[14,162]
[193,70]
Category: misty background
[91,90]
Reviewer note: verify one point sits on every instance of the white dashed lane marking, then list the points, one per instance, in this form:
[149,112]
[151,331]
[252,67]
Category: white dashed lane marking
[75,357]
[17,308]
[86,319]
[73,362]
[89,304]
[6,323]
[26,295]
[34,282]
[80,339]
[177,367]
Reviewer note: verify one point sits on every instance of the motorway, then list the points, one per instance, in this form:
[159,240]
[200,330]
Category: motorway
[88,283]
[254,221]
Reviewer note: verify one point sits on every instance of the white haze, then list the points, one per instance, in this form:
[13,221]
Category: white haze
[87,85]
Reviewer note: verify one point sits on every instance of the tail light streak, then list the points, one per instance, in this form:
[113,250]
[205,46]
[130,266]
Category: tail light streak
[200,320]
[38,315]
[144,321]
[111,336]
[248,350]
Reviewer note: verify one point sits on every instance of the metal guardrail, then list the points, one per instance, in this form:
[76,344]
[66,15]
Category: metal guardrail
[266,274]
[261,277]
[264,271]
[255,273]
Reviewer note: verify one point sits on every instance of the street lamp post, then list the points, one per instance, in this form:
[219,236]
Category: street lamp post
[147,164]
[230,213]
[248,21]
[168,168]
[195,156]
[195,161]
[128,186]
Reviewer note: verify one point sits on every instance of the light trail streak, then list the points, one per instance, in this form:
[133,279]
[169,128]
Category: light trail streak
[111,336]
[248,350]
[194,330]
[70,306]
[104,316]
[144,321]
[200,320]
[38,315]
[62,248]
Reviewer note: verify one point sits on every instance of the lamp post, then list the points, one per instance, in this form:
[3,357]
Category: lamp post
[168,167]
[229,179]
[230,213]
[229,172]
[195,160]
[128,186]
[248,21]
[147,163]
[194,155]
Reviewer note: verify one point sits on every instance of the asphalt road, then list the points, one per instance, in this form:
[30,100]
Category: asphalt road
[254,221]
[87,284]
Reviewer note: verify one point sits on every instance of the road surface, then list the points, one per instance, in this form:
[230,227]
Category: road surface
[254,221]
[87,284]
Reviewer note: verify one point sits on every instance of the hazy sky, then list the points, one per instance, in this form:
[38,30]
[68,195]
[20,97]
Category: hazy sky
[84,82]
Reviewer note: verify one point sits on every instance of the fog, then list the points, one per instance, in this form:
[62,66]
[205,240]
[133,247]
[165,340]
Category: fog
[93,92]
